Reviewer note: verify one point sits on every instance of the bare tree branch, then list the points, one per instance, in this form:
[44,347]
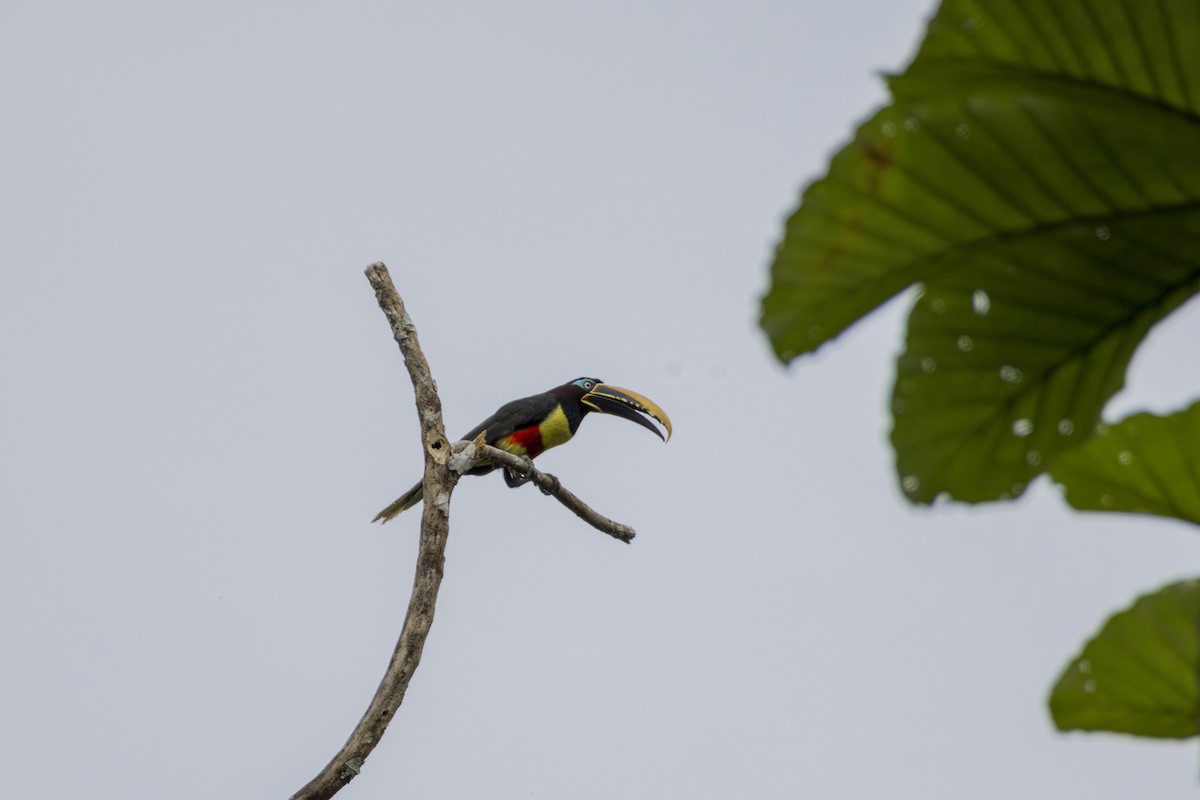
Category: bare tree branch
[439,482]
[550,485]
[443,466]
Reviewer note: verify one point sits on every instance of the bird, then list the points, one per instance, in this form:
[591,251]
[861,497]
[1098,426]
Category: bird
[532,425]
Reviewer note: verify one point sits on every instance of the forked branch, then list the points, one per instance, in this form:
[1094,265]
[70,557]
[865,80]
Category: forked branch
[443,465]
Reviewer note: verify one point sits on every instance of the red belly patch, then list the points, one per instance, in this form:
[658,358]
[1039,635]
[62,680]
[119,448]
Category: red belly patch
[528,439]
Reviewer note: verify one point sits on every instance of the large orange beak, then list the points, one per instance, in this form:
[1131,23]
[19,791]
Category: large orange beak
[609,399]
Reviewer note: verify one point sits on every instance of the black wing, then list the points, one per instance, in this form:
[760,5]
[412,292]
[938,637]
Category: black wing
[514,416]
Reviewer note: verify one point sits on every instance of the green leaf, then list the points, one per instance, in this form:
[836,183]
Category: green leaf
[1039,175]
[1011,356]
[1146,464]
[1138,675]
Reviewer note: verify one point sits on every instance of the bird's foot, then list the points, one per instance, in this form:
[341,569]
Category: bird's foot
[514,478]
[553,487]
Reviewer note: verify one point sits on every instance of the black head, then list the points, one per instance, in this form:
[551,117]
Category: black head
[585,384]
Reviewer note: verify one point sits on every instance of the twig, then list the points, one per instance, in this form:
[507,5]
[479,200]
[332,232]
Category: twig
[550,485]
[438,482]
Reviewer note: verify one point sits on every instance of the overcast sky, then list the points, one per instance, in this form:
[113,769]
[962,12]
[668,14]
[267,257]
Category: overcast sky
[203,409]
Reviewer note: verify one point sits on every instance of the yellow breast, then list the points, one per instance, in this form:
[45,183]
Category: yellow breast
[555,430]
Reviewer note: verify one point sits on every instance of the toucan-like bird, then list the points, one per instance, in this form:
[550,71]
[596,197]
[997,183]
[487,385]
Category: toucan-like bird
[532,425]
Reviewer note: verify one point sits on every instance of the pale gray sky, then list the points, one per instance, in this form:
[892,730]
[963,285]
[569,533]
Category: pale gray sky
[197,379]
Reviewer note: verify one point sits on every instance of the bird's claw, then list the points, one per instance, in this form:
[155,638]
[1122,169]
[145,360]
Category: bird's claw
[553,487]
[514,478]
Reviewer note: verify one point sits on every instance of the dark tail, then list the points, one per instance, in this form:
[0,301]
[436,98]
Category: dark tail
[402,503]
